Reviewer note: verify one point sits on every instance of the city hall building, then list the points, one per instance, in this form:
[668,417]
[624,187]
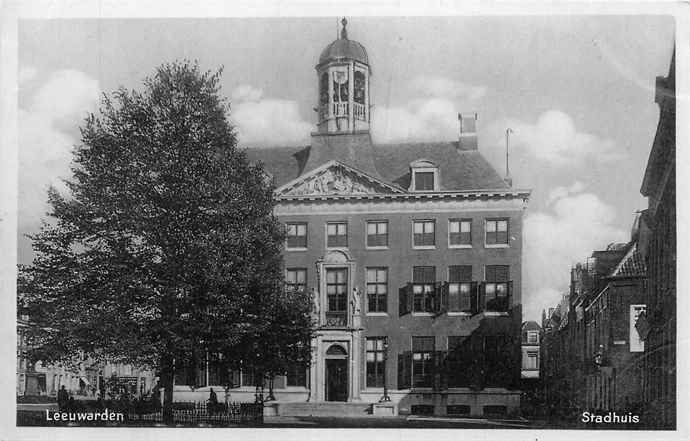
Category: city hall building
[412,252]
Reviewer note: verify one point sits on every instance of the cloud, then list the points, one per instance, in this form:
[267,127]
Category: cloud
[555,141]
[246,93]
[561,192]
[434,119]
[48,127]
[430,113]
[440,87]
[574,225]
[267,122]
[552,149]
[26,74]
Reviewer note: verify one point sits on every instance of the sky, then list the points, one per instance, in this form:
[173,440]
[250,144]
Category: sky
[577,91]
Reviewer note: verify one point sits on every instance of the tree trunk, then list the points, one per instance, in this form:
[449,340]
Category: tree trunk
[167,376]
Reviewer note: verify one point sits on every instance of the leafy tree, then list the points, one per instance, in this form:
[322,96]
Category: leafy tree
[266,353]
[165,248]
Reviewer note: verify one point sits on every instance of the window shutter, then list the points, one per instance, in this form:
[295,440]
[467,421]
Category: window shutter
[437,301]
[404,370]
[466,273]
[481,298]
[509,295]
[444,298]
[490,273]
[474,297]
[410,298]
[502,273]
[444,370]
[403,301]
[454,273]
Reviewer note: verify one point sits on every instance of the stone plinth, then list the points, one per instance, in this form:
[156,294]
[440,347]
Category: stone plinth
[385,409]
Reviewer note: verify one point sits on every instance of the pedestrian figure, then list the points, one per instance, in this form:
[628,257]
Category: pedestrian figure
[62,398]
[156,398]
[212,402]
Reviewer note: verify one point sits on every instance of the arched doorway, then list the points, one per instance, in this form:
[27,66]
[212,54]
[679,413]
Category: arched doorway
[336,373]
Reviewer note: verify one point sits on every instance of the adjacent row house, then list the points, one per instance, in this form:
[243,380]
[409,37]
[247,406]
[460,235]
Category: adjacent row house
[591,351]
[658,324]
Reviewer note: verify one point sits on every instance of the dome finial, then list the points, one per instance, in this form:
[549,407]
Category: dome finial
[343,31]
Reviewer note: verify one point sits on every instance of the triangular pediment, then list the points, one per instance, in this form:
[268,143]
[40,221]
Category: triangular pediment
[336,179]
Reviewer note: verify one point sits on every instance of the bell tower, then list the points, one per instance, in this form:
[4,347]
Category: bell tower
[343,80]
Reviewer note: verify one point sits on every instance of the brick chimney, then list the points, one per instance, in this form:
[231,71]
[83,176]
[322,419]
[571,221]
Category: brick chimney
[468,131]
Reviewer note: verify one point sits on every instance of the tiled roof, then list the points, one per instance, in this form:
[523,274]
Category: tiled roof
[355,150]
[283,163]
[631,265]
[530,326]
[460,169]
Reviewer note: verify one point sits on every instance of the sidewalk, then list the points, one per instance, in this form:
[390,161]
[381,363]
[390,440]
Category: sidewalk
[371,421]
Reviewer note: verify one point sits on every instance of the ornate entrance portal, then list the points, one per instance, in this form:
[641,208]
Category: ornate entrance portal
[336,374]
[337,345]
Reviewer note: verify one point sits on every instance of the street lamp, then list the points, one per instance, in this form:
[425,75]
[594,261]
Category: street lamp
[385,398]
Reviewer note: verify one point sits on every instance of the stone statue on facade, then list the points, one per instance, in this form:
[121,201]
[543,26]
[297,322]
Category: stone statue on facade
[355,308]
[316,306]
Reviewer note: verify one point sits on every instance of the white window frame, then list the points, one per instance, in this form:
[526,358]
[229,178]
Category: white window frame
[419,313]
[347,235]
[413,352]
[483,307]
[366,290]
[295,269]
[460,221]
[306,236]
[456,313]
[366,234]
[384,339]
[424,247]
[297,388]
[497,245]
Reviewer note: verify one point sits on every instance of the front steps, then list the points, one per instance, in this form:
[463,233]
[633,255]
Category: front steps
[323,409]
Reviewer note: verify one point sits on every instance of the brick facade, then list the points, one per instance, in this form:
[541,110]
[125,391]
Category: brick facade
[400,327]
[659,186]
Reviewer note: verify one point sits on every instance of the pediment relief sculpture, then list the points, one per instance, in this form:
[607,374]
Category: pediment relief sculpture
[336,181]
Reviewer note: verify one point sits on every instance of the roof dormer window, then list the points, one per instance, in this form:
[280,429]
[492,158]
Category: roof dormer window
[424,176]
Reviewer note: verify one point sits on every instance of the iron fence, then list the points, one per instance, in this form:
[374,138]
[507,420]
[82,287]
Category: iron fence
[219,414]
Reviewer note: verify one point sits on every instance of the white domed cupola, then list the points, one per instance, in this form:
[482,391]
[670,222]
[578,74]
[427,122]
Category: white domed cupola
[343,77]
